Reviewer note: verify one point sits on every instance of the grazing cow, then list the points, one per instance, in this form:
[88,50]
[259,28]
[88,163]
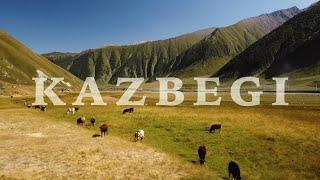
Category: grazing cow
[202,154]
[81,120]
[215,127]
[139,135]
[37,107]
[126,111]
[71,110]
[130,110]
[92,121]
[76,109]
[234,170]
[104,129]
[43,108]
[96,135]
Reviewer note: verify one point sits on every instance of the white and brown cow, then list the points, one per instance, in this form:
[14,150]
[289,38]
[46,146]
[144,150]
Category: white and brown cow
[139,135]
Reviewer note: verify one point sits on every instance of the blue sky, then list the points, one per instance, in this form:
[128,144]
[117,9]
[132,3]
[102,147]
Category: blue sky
[75,25]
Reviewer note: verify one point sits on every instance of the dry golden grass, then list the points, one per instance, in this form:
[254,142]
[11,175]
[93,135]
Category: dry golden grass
[37,147]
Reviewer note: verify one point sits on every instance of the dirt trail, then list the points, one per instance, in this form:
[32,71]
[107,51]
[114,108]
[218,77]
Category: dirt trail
[34,147]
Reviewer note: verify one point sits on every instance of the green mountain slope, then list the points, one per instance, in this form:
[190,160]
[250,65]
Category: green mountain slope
[148,60]
[18,64]
[210,54]
[290,49]
[63,60]
[195,54]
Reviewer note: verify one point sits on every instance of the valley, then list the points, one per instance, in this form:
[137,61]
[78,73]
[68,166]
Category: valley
[269,127]
[284,140]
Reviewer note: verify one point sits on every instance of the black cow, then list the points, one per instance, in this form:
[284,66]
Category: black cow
[234,170]
[215,127]
[43,108]
[76,109]
[92,121]
[202,151]
[129,110]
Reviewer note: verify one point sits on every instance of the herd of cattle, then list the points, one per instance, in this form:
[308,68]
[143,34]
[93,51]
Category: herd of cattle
[233,167]
[42,108]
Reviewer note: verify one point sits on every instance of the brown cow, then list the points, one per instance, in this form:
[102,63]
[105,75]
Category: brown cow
[202,151]
[81,120]
[104,129]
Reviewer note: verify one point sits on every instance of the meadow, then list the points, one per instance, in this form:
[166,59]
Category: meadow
[36,145]
[268,142]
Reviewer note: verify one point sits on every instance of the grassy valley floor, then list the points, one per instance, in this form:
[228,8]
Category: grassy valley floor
[35,146]
[268,142]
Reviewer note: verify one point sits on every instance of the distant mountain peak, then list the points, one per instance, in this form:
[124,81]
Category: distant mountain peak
[291,47]
[223,43]
[169,57]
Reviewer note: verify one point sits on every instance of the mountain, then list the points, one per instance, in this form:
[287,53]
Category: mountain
[290,50]
[18,64]
[211,53]
[148,59]
[199,53]
[63,60]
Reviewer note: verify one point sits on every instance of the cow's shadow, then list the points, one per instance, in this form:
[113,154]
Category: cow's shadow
[193,161]
[223,177]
